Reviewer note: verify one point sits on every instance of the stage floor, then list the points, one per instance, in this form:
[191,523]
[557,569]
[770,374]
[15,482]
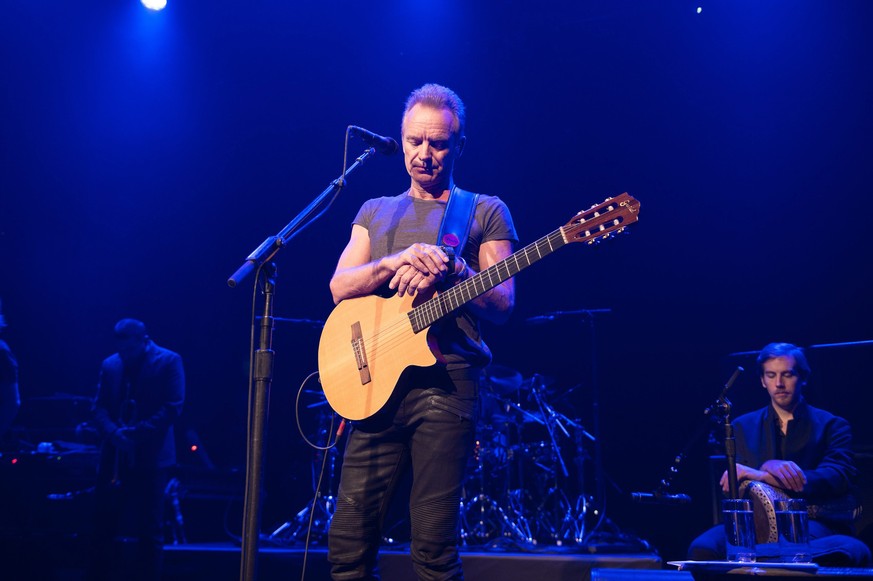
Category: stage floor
[219,562]
[65,561]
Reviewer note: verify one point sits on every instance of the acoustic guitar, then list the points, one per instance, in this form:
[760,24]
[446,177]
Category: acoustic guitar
[367,342]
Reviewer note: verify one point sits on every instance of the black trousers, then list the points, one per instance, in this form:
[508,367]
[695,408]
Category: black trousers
[431,431]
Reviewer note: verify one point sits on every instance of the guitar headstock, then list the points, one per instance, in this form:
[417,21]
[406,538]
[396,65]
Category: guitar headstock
[602,220]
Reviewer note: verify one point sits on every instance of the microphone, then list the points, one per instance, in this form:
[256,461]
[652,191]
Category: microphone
[655,498]
[384,145]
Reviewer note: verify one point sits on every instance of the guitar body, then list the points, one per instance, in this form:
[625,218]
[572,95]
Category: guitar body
[390,346]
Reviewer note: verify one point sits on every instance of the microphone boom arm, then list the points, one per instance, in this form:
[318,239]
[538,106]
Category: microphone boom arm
[269,247]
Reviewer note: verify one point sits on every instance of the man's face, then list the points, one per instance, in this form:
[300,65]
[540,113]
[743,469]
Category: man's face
[130,348]
[782,382]
[430,146]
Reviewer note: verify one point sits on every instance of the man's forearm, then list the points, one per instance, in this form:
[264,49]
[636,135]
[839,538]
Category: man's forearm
[359,280]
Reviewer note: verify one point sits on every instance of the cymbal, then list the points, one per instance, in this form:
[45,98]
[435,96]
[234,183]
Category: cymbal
[502,380]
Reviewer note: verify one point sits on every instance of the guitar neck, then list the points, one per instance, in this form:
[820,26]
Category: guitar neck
[434,309]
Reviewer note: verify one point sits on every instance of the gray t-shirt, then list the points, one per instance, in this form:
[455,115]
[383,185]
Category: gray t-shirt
[394,223]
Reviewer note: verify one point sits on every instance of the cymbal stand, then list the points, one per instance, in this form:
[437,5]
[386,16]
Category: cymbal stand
[572,525]
[520,526]
[483,528]
[492,522]
[550,419]
[582,500]
[483,519]
[548,516]
[513,491]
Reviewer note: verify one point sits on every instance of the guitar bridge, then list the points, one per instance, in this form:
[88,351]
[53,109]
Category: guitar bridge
[360,353]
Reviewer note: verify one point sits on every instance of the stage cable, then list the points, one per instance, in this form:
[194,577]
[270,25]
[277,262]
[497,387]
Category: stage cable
[325,449]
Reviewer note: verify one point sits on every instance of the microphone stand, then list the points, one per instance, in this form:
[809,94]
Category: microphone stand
[662,495]
[730,443]
[262,370]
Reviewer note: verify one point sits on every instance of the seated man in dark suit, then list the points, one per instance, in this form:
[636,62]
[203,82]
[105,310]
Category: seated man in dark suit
[802,450]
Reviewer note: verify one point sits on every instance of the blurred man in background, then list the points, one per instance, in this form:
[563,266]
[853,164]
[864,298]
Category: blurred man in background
[139,397]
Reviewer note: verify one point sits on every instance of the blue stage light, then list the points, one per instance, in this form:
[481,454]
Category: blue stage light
[154,4]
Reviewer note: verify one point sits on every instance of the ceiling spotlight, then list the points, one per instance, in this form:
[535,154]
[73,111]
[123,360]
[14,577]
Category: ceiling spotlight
[154,4]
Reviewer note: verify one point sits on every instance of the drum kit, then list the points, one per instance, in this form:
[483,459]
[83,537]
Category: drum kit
[520,486]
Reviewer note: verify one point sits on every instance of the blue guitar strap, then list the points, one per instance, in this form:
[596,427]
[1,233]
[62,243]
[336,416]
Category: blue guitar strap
[457,220]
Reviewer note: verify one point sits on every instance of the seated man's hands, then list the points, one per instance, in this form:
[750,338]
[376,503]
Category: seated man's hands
[779,473]
[787,474]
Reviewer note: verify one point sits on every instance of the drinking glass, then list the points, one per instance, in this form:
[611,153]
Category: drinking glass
[739,530]
[792,522]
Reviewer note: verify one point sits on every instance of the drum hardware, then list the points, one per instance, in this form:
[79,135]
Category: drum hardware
[555,518]
[517,483]
[551,419]
[484,520]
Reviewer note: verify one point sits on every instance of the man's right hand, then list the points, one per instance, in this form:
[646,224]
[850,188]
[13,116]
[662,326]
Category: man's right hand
[419,268]
[787,474]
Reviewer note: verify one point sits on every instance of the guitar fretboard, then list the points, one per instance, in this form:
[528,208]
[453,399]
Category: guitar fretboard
[432,310]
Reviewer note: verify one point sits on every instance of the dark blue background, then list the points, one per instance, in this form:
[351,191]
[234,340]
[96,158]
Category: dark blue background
[144,155]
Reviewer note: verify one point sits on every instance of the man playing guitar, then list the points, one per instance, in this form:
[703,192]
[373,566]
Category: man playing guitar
[428,422]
